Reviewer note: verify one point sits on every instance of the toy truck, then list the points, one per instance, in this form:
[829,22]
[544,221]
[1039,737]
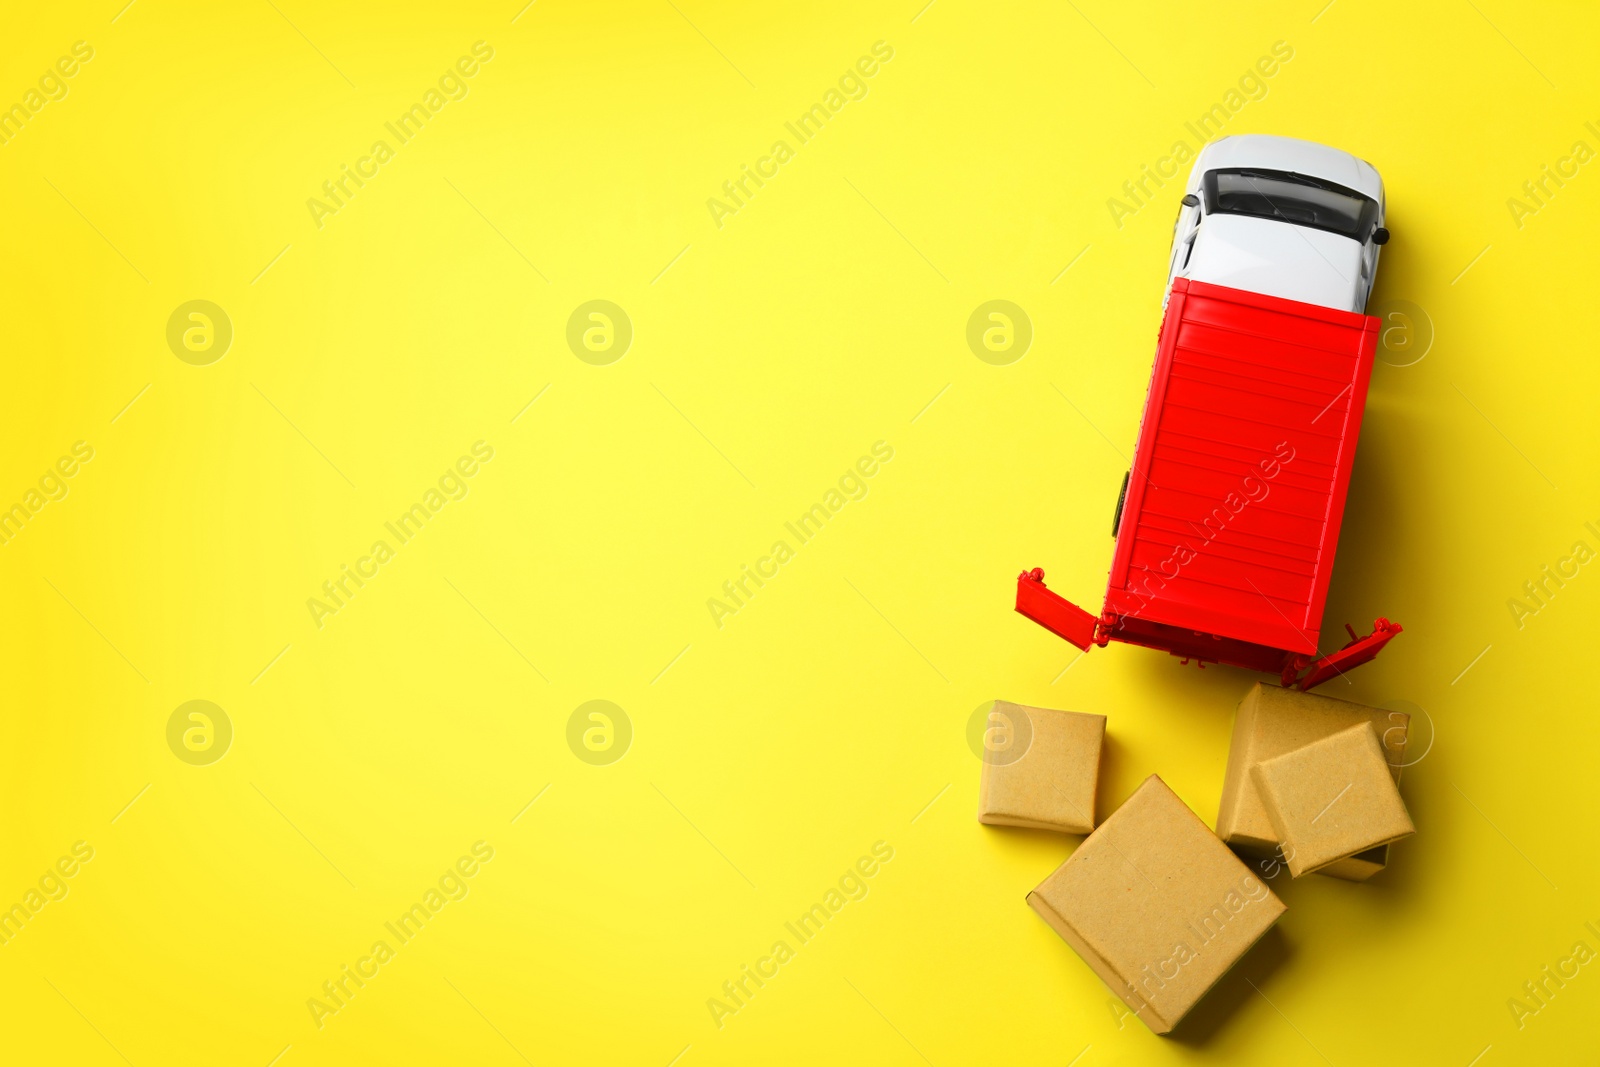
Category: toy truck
[1228,520]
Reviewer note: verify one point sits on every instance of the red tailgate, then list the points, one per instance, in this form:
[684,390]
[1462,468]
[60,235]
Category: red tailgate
[1242,466]
[1054,612]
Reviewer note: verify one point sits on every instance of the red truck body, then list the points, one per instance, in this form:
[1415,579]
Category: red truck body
[1226,534]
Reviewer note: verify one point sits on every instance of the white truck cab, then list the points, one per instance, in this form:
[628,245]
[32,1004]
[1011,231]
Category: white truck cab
[1283,217]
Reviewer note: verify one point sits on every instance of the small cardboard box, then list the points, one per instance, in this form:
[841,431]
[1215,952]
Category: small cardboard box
[1157,905]
[1271,721]
[1046,772]
[1332,798]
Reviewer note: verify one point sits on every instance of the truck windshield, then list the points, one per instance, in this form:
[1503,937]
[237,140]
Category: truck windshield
[1294,198]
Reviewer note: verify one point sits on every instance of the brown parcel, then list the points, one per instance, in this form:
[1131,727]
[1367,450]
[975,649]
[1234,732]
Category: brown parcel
[1156,905]
[1332,798]
[1043,770]
[1273,720]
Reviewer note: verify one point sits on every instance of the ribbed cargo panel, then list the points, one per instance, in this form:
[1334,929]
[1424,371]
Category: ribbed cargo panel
[1242,466]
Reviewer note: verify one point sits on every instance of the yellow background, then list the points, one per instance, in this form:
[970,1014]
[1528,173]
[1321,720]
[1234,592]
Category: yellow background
[830,712]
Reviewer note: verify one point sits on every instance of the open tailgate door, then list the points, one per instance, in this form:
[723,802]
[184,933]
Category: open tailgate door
[1054,612]
[1352,655]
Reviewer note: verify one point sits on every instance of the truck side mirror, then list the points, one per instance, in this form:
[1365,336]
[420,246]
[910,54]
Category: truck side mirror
[1380,236]
[1190,200]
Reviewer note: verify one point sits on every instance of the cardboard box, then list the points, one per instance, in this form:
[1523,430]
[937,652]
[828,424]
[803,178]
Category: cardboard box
[1157,905]
[1046,774]
[1271,721]
[1332,798]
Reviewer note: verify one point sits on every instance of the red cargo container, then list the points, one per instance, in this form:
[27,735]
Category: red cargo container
[1230,515]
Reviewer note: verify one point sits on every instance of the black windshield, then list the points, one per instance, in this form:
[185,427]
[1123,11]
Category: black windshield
[1270,194]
